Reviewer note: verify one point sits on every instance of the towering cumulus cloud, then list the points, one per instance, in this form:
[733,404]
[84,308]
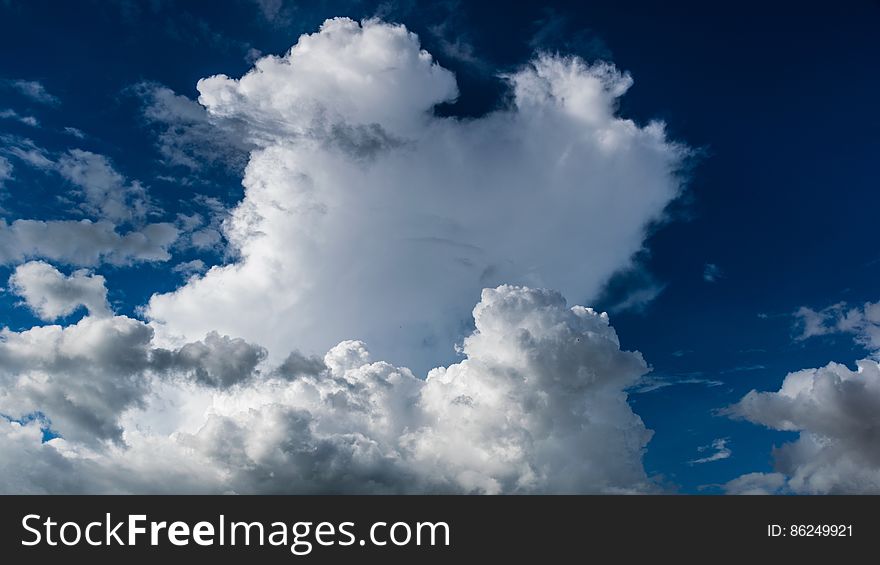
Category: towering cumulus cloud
[365,215]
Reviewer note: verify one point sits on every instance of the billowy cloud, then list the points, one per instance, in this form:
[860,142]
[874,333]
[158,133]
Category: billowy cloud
[836,412]
[52,295]
[367,215]
[536,405]
[367,219]
[5,170]
[83,243]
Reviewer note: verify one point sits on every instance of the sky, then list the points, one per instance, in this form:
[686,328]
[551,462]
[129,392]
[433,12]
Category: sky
[437,247]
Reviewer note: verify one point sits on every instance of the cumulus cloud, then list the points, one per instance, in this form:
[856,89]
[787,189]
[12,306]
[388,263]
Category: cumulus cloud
[83,377]
[117,234]
[367,215]
[52,295]
[83,243]
[80,376]
[189,268]
[536,405]
[836,412]
[218,361]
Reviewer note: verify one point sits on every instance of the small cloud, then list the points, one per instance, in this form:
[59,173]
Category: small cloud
[455,45]
[27,151]
[75,132]
[631,289]
[35,91]
[721,451]
[744,368]
[756,484]
[10,114]
[862,322]
[711,272]
[252,55]
[190,268]
[650,383]
[5,170]
[273,11]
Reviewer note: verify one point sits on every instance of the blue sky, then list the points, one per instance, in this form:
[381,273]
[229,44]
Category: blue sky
[776,103]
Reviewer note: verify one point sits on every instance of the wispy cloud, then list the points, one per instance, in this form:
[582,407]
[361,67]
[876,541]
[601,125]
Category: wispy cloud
[34,90]
[712,272]
[650,383]
[719,451]
[862,322]
[10,114]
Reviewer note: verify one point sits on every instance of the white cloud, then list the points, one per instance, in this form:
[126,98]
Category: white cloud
[10,114]
[83,243]
[119,205]
[75,132]
[272,10]
[218,361]
[639,298]
[35,91]
[52,295]
[27,151]
[187,135]
[80,376]
[650,383]
[756,484]
[190,268]
[720,451]
[837,413]
[83,377]
[366,215]
[203,230]
[537,405]
[5,170]
[106,193]
[862,322]
[711,273]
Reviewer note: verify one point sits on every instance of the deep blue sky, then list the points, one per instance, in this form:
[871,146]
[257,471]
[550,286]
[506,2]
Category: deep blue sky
[781,102]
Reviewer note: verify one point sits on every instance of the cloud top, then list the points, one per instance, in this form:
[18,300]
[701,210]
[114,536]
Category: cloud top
[366,215]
